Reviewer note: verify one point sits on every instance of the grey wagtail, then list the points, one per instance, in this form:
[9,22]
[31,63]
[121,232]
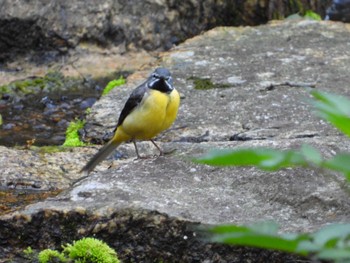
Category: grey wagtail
[151,108]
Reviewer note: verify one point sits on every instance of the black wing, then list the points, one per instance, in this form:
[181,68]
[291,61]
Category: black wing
[134,100]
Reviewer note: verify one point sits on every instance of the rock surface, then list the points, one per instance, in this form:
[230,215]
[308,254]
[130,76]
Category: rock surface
[260,80]
[154,24]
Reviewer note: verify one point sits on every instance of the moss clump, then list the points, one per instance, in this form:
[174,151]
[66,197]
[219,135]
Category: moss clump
[29,253]
[203,84]
[49,255]
[52,82]
[49,149]
[4,89]
[112,84]
[86,250]
[87,111]
[312,15]
[72,134]
[206,83]
[91,250]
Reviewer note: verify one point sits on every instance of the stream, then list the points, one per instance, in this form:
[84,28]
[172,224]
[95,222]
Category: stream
[37,112]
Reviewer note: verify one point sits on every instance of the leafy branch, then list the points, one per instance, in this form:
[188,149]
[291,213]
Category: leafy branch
[332,242]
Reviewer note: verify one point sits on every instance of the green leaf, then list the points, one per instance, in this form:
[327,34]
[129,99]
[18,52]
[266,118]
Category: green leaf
[311,154]
[234,157]
[330,233]
[334,254]
[260,227]
[264,237]
[330,242]
[307,246]
[267,159]
[334,108]
[268,227]
[340,163]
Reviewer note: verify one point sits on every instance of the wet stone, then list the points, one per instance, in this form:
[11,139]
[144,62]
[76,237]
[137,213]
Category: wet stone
[8,126]
[87,103]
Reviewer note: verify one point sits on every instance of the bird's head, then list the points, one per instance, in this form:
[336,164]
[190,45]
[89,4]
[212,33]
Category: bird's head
[161,80]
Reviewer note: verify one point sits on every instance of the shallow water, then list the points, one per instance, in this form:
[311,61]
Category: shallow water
[14,199]
[41,118]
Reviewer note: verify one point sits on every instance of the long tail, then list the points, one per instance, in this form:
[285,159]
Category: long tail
[106,150]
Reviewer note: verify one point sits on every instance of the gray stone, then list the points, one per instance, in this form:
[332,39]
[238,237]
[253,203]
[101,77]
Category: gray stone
[298,199]
[148,25]
[153,24]
[280,64]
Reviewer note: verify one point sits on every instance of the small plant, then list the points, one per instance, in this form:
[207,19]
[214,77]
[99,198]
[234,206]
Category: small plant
[312,15]
[330,242]
[49,255]
[112,84]
[308,14]
[86,250]
[29,253]
[72,134]
[88,111]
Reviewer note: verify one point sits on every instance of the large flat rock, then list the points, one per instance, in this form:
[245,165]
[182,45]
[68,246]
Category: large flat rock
[299,199]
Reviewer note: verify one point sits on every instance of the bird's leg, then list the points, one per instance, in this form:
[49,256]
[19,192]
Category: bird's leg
[161,153]
[136,150]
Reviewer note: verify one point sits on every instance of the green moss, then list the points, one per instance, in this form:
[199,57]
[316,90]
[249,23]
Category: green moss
[312,15]
[50,82]
[49,255]
[0,120]
[202,83]
[90,250]
[49,149]
[4,89]
[112,84]
[307,15]
[24,86]
[206,83]
[28,252]
[86,250]
[72,134]
[88,111]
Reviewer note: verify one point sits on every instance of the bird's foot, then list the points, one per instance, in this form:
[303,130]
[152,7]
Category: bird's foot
[168,152]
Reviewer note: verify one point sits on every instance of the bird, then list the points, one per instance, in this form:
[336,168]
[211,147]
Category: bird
[151,108]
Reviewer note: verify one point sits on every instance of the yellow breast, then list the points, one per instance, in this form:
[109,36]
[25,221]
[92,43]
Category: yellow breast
[156,113]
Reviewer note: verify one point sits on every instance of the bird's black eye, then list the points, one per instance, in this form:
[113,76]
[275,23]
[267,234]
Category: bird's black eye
[156,76]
